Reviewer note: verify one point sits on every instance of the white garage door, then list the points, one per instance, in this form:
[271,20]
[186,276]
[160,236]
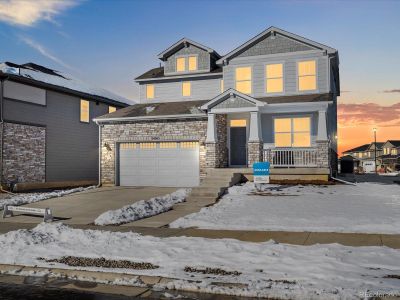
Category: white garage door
[174,164]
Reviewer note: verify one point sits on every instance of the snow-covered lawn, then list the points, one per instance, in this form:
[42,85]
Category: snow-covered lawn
[142,209]
[365,207]
[266,269]
[26,198]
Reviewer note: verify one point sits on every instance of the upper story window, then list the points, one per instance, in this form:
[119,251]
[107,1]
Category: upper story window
[386,150]
[150,91]
[84,111]
[393,152]
[221,85]
[243,80]
[180,64]
[292,132]
[307,75]
[186,88]
[192,63]
[274,78]
[111,109]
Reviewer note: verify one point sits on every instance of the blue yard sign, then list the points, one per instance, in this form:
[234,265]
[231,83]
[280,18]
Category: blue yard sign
[261,172]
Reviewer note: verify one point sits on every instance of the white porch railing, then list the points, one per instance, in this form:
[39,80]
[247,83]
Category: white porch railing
[291,157]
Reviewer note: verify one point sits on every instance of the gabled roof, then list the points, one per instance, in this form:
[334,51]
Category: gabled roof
[395,143]
[229,93]
[42,77]
[358,149]
[268,32]
[182,42]
[378,145]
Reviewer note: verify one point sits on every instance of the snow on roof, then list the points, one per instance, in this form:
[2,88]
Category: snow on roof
[45,75]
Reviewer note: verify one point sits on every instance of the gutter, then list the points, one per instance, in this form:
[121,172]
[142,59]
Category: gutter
[123,119]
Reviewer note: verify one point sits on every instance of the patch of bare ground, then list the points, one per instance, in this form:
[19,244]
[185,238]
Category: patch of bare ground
[101,262]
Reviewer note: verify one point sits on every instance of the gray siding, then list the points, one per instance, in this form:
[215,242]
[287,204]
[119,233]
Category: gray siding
[238,102]
[289,61]
[71,146]
[273,45]
[203,59]
[171,91]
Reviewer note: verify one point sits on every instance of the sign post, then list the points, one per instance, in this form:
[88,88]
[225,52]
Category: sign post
[261,172]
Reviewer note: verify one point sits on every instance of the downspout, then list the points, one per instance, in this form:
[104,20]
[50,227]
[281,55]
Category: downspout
[100,127]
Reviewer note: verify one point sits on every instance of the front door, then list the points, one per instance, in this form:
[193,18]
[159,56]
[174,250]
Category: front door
[238,146]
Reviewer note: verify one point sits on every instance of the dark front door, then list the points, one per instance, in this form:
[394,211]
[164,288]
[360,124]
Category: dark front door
[238,146]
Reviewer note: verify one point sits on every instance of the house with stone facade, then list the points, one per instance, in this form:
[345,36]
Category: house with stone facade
[46,130]
[273,98]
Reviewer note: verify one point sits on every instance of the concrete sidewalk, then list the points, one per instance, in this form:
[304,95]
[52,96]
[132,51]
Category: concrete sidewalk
[294,238]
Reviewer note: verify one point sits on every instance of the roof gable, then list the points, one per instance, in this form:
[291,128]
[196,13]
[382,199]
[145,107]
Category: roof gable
[392,144]
[183,43]
[232,99]
[358,149]
[272,37]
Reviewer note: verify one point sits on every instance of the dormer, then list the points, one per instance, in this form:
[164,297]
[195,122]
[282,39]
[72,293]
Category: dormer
[188,57]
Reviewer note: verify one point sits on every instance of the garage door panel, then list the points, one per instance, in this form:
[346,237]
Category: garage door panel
[159,164]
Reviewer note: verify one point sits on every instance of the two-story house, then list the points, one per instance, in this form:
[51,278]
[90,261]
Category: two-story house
[364,156]
[390,157]
[46,129]
[272,98]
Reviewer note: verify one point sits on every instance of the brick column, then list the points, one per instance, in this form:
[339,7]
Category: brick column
[322,154]
[217,152]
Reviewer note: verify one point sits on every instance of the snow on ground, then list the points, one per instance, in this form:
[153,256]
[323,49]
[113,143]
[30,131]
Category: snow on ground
[26,198]
[267,269]
[365,207]
[142,209]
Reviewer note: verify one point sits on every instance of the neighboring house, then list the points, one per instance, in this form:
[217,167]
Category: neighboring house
[365,156]
[47,132]
[273,98]
[390,157]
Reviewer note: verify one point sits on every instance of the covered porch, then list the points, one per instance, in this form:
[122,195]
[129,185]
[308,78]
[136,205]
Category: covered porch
[242,130]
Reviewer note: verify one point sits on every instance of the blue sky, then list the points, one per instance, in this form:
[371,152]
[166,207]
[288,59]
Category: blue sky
[109,42]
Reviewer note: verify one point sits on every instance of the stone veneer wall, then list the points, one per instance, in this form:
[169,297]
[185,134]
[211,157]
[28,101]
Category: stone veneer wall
[151,131]
[24,153]
[323,160]
[254,152]
[217,153]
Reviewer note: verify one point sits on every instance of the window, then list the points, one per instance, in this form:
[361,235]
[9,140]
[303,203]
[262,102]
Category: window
[125,146]
[111,109]
[386,150]
[186,89]
[307,75]
[274,77]
[360,155]
[238,123]
[243,80]
[180,64]
[148,145]
[85,111]
[221,85]
[168,145]
[292,132]
[192,63]
[189,145]
[393,152]
[150,91]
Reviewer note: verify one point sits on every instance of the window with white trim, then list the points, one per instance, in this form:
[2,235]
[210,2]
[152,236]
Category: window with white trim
[292,132]
[85,114]
[150,91]
[243,80]
[192,63]
[307,75]
[186,88]
[274,78]
[180,64]
[111,109]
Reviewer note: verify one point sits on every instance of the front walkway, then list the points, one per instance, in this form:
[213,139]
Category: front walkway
[284,237]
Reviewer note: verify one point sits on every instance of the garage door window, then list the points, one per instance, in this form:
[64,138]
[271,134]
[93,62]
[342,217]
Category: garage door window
[189,145]
[126,146]
[148,145]
[168,145]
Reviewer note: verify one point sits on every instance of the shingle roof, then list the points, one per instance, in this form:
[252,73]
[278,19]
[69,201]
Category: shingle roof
[297,98]
[159,73]
[158,109]
[40,76]
[358,149]
[395,143]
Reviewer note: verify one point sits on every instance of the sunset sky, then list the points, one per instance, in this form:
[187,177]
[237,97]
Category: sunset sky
[108,43]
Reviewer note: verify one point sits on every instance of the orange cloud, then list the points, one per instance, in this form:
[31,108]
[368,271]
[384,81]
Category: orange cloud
[356,121]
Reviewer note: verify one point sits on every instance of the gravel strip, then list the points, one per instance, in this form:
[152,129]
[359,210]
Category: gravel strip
[214,271]
[101,263]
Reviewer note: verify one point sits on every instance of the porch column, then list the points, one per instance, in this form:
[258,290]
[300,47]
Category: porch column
[323,151]
[255,144]
[322,131]
[211,132]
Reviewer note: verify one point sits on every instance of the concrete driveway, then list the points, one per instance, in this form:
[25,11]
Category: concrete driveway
[85,207]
